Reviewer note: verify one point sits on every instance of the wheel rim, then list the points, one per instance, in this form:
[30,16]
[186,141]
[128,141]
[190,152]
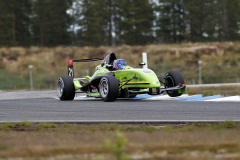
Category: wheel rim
[104,88]
[60,87]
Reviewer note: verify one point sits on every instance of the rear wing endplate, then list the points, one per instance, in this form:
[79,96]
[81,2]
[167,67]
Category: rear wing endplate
[70,64]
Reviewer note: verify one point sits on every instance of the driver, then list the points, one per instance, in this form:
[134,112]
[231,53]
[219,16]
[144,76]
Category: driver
[119,64]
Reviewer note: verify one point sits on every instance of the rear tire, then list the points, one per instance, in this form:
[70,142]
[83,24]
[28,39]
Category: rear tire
[65,88]
[172,79]
[109,88]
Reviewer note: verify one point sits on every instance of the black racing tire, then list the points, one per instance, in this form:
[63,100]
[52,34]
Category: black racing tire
[172,79]
[108,88]
[65,88]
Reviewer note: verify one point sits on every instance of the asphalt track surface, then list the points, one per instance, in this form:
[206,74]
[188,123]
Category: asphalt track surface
[42,106]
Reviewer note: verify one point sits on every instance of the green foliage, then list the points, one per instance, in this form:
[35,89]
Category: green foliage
[48,125]
[123,128]
[228,17]
[210,91]
[9,125]
[118,147]
[6,34]
[20,125]
[13,82]
[25,124]
[229,124]
[66,125]
[15,22]
[22,12]
[51,22]
[171,21]
[167,128]
[219,59]
[4,147]
[188,128]
[113,22]
[136,22]
[141,128]
[201,126]
[93,22]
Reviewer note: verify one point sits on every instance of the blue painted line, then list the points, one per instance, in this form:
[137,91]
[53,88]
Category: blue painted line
[188,98]
[145,96]
[198,97]
[84,98]
[142,96]
[206,98]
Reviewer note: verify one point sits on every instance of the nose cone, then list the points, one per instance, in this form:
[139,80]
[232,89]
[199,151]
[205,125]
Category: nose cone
[149,76]
[145,78]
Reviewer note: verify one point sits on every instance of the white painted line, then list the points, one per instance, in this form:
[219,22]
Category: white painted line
[18,95]
[82,98]
[79,97]
[165,97]
[124,121]
[184,97]
[226,99]
[213,85]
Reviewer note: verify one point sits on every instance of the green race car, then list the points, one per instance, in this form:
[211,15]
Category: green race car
[114,79]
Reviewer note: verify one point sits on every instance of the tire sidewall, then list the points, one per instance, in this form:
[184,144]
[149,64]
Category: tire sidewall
[113,88]
[60,95]
[68,92]
[171,81]
[173,78]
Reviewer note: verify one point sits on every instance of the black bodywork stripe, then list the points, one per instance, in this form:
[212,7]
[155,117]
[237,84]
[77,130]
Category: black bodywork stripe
[136,83]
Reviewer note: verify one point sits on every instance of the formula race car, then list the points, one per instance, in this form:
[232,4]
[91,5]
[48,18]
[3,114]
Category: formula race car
[114,79]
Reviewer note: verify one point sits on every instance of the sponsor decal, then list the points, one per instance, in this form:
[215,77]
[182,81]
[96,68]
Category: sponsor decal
[70,72]
[70,62]
[147,71]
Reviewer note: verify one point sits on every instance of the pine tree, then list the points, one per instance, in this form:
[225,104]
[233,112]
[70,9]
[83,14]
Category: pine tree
[15,22]
[136,22]
[229,20]
[201,19]
[22,13]
[6,24]
[93,22]
[210,22]
[171,21]
[194,19]
[51,22]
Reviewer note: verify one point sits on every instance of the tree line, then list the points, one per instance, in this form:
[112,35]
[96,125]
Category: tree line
[116,22]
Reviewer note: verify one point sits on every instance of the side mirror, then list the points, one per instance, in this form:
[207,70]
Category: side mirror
[142,64]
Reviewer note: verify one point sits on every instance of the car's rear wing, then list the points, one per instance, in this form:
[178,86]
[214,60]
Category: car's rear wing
[70,64]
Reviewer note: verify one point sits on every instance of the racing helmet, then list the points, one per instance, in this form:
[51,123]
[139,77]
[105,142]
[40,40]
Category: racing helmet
[119,64]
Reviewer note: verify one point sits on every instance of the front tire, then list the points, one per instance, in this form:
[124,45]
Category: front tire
[109,88]
[173,79]
[65,88]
